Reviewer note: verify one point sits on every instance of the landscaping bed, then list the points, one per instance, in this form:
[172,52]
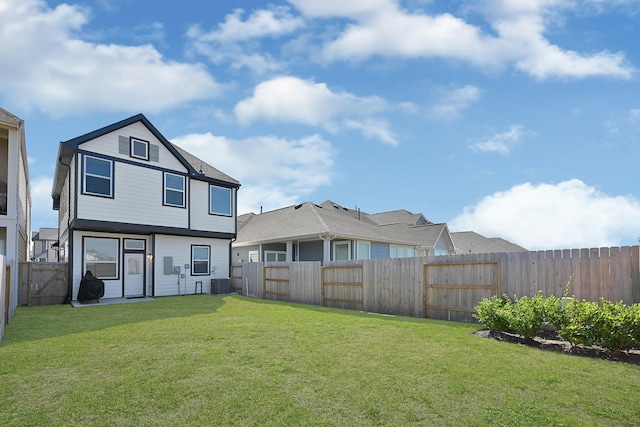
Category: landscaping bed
[552,342]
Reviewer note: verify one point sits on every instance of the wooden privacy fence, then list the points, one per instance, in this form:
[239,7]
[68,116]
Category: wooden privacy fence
[445,287]
[42,283]
[452,290]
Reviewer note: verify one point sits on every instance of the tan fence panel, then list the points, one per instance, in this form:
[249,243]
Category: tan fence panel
[237,280]
[42,283]
[342,285]
[453,290]
[305,282]
[276,282]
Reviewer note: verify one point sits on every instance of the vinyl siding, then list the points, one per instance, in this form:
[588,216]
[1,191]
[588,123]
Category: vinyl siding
[241,254]
[200,217]
[180,249]
[109,145]
[379,250]
[311,251]
[138,198]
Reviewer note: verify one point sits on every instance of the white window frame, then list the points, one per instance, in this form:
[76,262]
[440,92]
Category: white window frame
[340,243]
[401,251]
[254,256]
[360,254]
[115,261]
[132,151]
[278,254]
[213,211]
[194,259]
[183,190]
[86,174]
[134,244]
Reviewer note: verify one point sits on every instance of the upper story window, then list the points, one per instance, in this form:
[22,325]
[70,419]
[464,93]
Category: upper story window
[98,176]
[174,190]
[139,149]
[220,200]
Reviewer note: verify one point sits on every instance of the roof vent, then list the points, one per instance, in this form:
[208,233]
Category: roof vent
[297,206]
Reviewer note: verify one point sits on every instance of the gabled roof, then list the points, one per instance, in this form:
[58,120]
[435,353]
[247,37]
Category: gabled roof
[7,117]
[197,168]
[309,221]
[470,242]
[401,216]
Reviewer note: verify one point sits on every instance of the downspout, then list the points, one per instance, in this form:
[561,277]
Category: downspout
[69,297]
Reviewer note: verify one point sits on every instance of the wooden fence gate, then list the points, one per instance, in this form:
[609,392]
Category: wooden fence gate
[42,283]
[342,286]
[451,291]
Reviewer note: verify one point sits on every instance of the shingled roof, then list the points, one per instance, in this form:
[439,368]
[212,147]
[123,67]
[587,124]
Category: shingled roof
[310,221]
[470,242]
[7,117]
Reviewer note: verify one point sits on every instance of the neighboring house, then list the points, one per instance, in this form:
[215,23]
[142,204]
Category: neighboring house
[15,203]
[310,232]
[44,246]
[470,242]
[142,214]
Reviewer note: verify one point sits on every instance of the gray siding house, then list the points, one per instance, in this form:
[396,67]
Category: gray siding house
[329,231]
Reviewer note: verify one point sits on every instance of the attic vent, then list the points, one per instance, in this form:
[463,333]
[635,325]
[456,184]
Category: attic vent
[297,206]
[318,206]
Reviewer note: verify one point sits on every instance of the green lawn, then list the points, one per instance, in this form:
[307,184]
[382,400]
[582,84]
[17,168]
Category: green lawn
[210,360]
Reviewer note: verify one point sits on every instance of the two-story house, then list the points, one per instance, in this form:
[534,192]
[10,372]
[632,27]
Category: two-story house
[44,245]
[142,214]
[15,206]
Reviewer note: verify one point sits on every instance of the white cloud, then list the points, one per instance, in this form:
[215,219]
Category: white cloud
[501,143]
[42,213]
[453,102]
[562,216]
[273,172]
[46,65]
[518,37]
[293,100]
[375,129]
[228,42]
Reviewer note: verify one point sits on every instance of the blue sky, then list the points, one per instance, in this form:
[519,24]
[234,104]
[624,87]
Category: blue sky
[513,118]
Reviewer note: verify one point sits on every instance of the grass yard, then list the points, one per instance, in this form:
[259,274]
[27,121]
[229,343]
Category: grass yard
[212,360]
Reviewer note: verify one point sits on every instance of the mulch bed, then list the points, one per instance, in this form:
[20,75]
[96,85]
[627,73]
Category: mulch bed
[550,341]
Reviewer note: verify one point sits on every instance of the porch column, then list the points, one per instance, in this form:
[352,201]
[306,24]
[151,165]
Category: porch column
[289,257]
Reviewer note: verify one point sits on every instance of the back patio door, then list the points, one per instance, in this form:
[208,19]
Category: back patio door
[133,274]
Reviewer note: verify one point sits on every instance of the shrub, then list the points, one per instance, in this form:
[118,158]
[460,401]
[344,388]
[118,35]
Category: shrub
[614,329]
[554,311]
[527,315]
[494,313]
[580,327]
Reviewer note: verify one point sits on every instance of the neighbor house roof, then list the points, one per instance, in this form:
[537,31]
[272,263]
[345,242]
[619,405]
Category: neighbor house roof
[401,216]
[7,117]
[45,234]
[470,242]
[310,221]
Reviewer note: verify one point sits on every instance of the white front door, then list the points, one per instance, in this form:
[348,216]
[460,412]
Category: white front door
[133,274]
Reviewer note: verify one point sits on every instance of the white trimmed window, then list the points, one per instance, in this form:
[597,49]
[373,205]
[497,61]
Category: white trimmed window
[341,251]
[101,257]
[174,190]
[220,200]
[396,251]
[200,260]
[364,250]
[253,256]
[139,149]
[98,176]
[275,256]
